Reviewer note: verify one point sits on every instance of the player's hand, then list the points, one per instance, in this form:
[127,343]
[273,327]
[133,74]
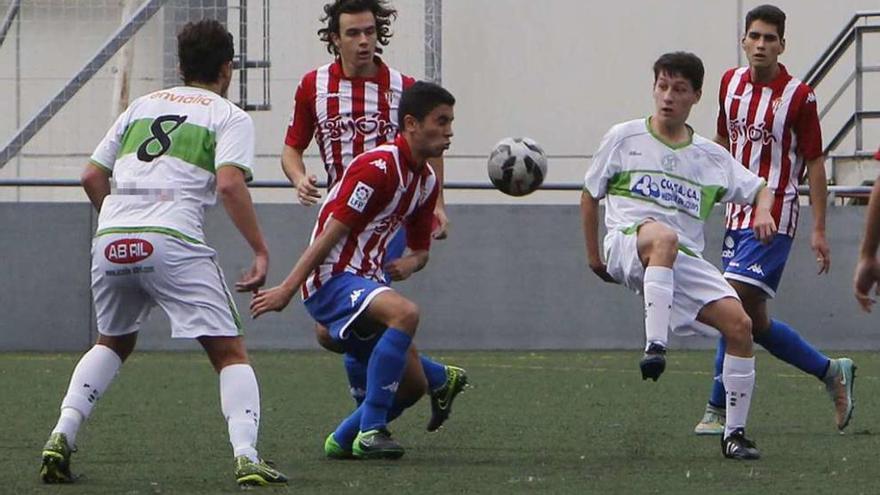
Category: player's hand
[274,299]
[440,225]
[401,268]
[764,226]
[601,271]
[255,277]
[866,277]
[307,191]
[823,252]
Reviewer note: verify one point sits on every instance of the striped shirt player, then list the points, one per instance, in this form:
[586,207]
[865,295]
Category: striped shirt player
[377,195]
[773,130]
[346,116]
[163,153]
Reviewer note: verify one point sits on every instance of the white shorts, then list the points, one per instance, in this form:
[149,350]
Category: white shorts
[697,282]
[134,271]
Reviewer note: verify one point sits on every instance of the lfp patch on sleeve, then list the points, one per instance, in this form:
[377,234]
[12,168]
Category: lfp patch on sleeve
[360,196]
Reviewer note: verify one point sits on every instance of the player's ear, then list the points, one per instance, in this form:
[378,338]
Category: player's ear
[699,94]
[782,45]
[334,38]
[409,122]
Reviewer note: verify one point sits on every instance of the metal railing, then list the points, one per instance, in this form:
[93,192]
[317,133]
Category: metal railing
[851,34]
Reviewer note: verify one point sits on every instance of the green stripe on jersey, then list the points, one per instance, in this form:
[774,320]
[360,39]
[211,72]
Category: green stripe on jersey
[191,143]
[667,191]
[153,230]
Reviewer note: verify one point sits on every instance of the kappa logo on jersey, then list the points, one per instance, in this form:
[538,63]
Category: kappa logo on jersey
[127,251]
[811,98]
[668,192]
[343,127]
[355,295]
[756,132]
[756,269]
[380,164]
[360,196]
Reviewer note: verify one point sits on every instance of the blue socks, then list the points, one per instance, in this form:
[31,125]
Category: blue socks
[383,378]
[434,372]
[783,343]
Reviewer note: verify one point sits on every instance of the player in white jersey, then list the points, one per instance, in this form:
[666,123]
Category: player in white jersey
[769,122]
[170,154]
[660,181]
[341,272]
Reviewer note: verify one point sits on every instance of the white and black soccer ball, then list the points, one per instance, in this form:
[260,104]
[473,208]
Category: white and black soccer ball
[517,166]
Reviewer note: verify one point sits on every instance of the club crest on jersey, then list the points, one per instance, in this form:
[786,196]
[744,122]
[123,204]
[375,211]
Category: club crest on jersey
[389,97]
[360,196]
[669,163]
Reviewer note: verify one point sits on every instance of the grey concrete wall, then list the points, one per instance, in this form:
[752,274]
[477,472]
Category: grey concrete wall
[509,277]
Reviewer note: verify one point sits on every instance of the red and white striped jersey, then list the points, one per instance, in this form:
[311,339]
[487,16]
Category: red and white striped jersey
[346,115]
[772,129]
[378,193]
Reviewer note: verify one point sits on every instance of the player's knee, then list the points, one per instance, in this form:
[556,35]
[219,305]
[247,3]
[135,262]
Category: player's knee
[406,317]
[322,335]
[739,331]
[665,240]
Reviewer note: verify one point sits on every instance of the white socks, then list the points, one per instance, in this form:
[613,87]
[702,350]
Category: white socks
[240,403]
[738,376]
[91,378]
[658,289]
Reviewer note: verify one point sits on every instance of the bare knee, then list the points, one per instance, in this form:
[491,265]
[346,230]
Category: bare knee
[658,244]
[738,331]
[406,317]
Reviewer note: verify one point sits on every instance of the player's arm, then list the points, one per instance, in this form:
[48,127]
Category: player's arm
[764,226]
[418,237]
[403,267]
[818,201]
[442,229]
[295,169]
[868,267]
[95,181]
[277,298]
[590,224]
[233,192]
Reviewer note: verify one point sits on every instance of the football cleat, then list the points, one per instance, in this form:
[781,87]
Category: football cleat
[737,446]
[653,363]
[376,444]
[56,460]
[441,400]
[712,422]
[260,473]
[333,450]
[840,389]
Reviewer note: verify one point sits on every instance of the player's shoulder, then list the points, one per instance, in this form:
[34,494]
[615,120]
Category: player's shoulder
[380,161]
[803,92]
[712,150]
[625,130]
[733,73]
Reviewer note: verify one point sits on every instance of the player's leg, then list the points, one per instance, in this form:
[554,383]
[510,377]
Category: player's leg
[738,374]
[191,289]
[384,372]
[120,305]
[444,382]
[657,247]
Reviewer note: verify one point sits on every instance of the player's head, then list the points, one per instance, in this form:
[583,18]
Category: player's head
[355,27]
[205,51]
[425,116]
[678,85]
[764,39]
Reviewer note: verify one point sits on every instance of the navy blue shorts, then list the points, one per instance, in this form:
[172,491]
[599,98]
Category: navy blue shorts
[745,259]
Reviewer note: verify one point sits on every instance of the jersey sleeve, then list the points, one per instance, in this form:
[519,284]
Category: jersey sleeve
[742,184]
[421,223]
[605,164]
[364,191]
[302,119]
[105,154]
[721,122]
[807,128]
[235,144]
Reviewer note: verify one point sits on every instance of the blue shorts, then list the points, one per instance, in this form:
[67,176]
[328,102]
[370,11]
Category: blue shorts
[745,259]
[339,302]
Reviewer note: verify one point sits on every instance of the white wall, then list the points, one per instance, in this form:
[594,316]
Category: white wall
[560,71]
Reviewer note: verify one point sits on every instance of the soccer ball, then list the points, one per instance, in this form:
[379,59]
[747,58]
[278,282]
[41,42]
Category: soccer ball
[517,166]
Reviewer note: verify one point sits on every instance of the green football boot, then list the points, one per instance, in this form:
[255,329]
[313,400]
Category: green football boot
[261,473]
[441,400]
[840,389]
[333,450]
[56,460]
[376,444]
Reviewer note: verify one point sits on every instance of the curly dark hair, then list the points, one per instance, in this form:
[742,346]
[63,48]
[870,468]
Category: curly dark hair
[382,11]
[202,48]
